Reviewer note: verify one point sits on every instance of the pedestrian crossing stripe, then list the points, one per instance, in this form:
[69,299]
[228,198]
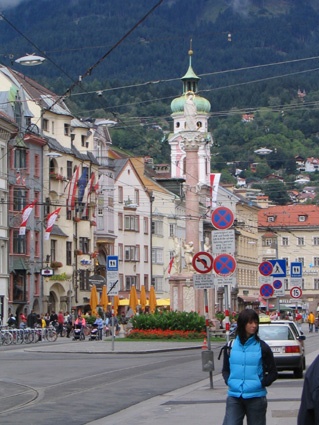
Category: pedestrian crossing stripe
[277,269]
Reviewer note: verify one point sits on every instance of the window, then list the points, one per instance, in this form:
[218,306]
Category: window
[37,165]
[3,256]
[316,284]
[145,254]
[268,242]
[83,141]
[145,225]
[302,218]
[300,260]
[285,241]
[19,199]
[316,240]
[131,223]
[136,197]
[157,282]
[120,219]
[120,193]
[286,284]
[66,129]
[157,256]
[20,158]
[69,253]
[130,253]
[271,219]
[52,127]
[316,261]
[19,243]
[84,280]
[172,230]
[300,241]
[286,261]
[45,124]
[53,250]
[120,252]
[129,282]
[157,228]
[84,245]
[69,171]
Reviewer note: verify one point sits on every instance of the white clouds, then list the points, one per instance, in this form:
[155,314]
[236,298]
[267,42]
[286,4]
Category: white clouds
[241,6]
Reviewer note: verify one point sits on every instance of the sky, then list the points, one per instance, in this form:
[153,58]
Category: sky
[7,4]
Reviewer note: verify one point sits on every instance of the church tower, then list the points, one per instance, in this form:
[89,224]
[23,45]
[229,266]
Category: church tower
[190,113]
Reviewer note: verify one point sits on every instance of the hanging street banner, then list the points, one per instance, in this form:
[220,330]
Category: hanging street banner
[223,241]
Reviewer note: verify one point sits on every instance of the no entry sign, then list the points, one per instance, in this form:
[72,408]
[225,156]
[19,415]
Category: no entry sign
[222,218]
[225,265]
[203,262]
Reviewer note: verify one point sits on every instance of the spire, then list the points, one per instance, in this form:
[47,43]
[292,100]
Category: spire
[190,79]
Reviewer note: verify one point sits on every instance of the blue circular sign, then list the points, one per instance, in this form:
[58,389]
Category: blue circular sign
[277,284]
[224,265]
[222,218]
[265,268]
[266,290]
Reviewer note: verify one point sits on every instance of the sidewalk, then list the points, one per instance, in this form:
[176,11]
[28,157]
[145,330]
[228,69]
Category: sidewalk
[197,403]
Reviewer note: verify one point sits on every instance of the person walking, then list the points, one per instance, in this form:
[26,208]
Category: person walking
[311,321]
[32,319]
[248,368]
[309,407]
[60,323]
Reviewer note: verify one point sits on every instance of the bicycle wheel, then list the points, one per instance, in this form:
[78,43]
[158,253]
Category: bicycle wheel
[7,338]
[51,335]
[28,336]
[19,337]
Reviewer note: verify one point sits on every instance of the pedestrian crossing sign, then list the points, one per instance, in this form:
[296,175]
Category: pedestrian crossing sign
[279,268]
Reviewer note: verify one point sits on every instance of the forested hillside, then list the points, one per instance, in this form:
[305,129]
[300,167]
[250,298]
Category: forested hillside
[251,55]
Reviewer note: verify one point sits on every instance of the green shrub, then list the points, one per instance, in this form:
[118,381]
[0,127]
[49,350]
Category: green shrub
[170,320]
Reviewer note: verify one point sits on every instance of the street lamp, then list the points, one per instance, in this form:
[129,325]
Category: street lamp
[30,60]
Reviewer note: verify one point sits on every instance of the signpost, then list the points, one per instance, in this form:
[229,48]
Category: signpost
[224,265]
[112,275]
[295,292]
[223,241]
[266,291]
[203,281]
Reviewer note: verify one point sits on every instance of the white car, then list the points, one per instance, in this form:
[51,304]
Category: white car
[286,344]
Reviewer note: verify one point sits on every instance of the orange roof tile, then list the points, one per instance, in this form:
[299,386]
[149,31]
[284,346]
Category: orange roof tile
[288,215]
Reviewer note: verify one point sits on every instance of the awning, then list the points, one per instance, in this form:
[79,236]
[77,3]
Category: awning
[247,299]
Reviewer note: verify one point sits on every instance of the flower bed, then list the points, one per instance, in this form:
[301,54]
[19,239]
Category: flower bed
[164,334]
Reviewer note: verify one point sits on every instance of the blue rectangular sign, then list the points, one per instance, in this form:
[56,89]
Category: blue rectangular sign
[112,263]
[279,268]
[295,269]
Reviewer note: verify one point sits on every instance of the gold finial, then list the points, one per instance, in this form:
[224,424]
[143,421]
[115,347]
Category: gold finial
[190,52]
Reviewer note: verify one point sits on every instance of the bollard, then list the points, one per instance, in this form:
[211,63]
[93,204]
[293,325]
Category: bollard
[208,364]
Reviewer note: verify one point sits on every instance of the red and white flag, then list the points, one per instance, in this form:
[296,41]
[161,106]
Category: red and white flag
[170,265]
[51,219]
[214,183]
[72,190]
[86,196]
[25,216]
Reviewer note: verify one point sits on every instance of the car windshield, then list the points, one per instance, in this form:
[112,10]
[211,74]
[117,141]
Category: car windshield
[274,332]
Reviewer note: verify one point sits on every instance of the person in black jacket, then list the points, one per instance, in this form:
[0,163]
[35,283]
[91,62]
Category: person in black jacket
[309,407]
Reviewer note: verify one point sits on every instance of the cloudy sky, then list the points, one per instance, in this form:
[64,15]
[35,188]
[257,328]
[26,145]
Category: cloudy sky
[7,4]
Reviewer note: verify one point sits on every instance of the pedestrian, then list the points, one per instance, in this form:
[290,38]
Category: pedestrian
[317,323]
[311,321]
[298,319]
[23,321]
[248,368]
[12,322]
[309,406]
[32,319]
[53,318]
[60,323]
[99,323]
[69,323]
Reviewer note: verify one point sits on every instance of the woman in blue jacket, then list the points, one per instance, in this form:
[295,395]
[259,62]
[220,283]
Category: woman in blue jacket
[248,368]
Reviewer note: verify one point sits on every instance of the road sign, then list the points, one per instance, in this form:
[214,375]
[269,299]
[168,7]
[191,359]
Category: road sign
[223,241]
[47,272]
[295,269]
[225,280]
[203,281]
[279,288]
[222,218]
[224,265]
[295,292]
[265,268]
[112,275]
[279,268]
[203,262]
[296,281]
[265,279]
[266,291]
[112,263]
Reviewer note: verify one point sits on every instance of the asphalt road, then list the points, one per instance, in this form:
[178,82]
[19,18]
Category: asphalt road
[81,387]
[77,388]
